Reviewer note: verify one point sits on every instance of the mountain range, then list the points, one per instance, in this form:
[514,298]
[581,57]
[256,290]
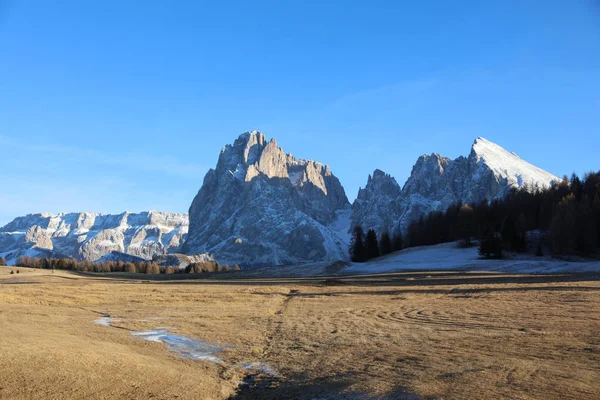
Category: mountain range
[436,182]
[90,236]
[261,206]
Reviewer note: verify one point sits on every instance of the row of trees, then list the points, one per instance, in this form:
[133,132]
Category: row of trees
[364,247]
[567,216]
[143,267]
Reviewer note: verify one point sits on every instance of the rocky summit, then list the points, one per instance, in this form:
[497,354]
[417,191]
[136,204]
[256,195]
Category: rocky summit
[261,206]
[92,236]
[436,182]
[372,206]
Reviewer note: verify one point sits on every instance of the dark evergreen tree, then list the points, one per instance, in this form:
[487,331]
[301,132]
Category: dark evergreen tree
[509,233]
[596,209]
[467,223]
[372,244]
[385,244]
[357,245]
[490,246]
[398,242]
[539,252]
[576,187]
[563,228]
[587,239]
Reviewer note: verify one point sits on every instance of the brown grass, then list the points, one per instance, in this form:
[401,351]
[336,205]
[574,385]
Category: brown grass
[431,335]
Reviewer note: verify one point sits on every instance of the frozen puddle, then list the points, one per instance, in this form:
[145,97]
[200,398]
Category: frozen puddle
[260,367]
[106,320]
[184,346]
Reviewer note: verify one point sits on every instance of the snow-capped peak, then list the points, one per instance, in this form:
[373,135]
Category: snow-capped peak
[508,165]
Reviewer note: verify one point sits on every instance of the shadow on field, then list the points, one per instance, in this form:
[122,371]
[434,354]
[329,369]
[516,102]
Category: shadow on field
[398,280]
[302,387]
[429,278]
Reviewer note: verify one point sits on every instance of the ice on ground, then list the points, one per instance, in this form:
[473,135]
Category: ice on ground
[106,320]
[259,367]
[186,347]
[183,346]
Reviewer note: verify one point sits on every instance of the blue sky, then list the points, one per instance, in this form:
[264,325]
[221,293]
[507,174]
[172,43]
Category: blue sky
[110,106]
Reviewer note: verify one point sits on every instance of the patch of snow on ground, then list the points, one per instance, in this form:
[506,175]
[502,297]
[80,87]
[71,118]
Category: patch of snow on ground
[448,256]
[260,367]
[106,321]
[182,345]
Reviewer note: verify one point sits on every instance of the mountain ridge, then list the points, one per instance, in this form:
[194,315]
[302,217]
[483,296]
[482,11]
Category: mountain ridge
[90,236]
[262,206]
[436,182]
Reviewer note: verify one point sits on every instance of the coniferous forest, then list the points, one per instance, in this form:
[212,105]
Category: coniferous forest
[144,267]
[563,219]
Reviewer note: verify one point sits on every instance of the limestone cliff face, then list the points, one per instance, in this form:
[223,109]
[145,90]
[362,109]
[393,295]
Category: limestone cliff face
[261,206]
[436,182]
[90,236]
[375,207]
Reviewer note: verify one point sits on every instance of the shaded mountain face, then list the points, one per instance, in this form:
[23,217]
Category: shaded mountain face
[261,206]
[372,206]
[91,236]
[436,182]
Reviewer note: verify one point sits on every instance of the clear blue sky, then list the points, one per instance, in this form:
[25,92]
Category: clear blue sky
[123,105]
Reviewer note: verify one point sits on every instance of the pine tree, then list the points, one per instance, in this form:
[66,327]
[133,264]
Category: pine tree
[2,261]
[587,238]
[490,246]
[596,209]
[563,228]
[372,245]
[385,244]
[467,223]
[398,242]
[509,233]
[357,245]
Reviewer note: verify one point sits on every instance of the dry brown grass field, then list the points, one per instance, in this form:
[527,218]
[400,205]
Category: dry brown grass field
[414,335]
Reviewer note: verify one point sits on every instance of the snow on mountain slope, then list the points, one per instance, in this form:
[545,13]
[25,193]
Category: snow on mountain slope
[436,182]
[90,236]
[510,166]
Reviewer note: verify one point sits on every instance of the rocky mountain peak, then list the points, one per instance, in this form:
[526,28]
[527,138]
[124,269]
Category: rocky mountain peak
[263,206]
[373,203]
[507,166]
[436,182]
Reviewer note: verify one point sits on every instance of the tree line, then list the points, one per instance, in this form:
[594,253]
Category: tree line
[142,267]
[566,216]
[366,246]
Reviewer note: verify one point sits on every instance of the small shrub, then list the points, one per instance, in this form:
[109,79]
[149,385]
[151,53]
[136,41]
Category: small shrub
[490,247]
[17,271]
[12,272]
[539,252]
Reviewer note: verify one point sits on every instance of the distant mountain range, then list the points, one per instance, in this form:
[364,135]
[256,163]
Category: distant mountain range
[436,182]
[90,236]
[261,206]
